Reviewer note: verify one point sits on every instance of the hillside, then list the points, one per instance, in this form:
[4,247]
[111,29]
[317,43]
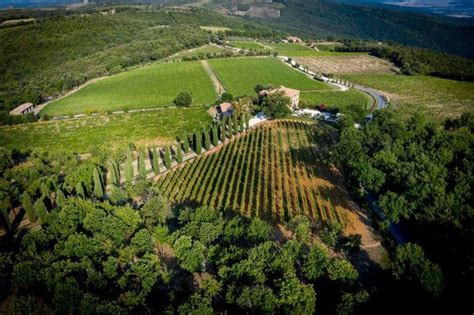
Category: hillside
[323,18]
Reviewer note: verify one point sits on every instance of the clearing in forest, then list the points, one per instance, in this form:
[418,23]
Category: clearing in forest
[149,87]
[240,75]
[274,171]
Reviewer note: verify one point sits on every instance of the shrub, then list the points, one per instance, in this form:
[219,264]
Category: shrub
[183,99]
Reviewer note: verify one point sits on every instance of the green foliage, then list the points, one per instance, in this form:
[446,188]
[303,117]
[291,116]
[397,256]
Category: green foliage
[184,99]
[315,263]
[114,180]
[258,230]
[60,198]
[167,159]
[207,139]
[235,125]
[98,185]
[80,190]
[296,296]
[410,264]
[28,206]
[197,142]
[215,136]
[155,161]
[129,168]
[179,154]
[41,211]
[301,227]
[341,270]
[330,233]
[350,302]
[191,254]
[222,134]
[185,142]
[141,164]
[157,210]
[276,105]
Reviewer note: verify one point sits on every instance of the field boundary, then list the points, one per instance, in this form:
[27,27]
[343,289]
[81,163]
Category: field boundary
[218,86]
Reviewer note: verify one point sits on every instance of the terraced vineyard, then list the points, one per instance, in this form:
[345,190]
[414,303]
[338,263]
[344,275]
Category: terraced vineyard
[273,171]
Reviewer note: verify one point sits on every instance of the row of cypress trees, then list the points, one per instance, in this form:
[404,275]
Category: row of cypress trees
[219,131]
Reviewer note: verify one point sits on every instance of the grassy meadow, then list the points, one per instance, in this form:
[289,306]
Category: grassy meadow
[148,87]
[339,99]
[240,75]
[435,97]
[247,45]
[104,131]
[196,52]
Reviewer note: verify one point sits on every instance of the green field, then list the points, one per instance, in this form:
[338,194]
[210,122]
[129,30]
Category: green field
[339,99]
[106,131]
[247,45]
[200,51]
[149,87]
[240,75]
[438,98]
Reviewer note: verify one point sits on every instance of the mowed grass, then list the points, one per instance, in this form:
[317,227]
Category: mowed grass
[247,45]
[335,99]
[240,75]
[105,131]
[149,87]
[435,97]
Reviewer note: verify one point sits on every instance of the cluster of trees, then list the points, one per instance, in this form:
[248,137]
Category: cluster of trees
[274,105]
[413,60]
[422,172]
[7,119]
[101,257]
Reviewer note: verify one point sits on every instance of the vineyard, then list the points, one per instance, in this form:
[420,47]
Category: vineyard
[273,171]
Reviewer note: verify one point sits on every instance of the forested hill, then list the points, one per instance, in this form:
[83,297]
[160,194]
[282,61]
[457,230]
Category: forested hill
[60,52]
[324,18]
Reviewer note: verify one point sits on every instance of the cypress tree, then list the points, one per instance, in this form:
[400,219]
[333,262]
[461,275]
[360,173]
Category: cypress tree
[241,123]
[28,206]
[179,154]
[235,124]
[167,157]
[222,132]
[247,120]
[98,187]
[113,174]
[198,142]
[80,191]
[185,142]
[207,140]
[215,138]
[129,168]
[41,211]
[116,169]
[60,198]
[156,163]
[229,127]
[141,164]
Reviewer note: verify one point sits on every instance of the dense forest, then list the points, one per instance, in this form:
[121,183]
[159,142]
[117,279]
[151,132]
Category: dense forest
[423,174]
[414,60]
[325,18]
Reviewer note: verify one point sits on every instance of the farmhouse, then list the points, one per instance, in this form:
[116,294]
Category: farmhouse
[23,109]
[293,94]
[294,39]
[221,111]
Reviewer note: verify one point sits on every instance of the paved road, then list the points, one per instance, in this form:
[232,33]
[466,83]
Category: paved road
[381,100]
